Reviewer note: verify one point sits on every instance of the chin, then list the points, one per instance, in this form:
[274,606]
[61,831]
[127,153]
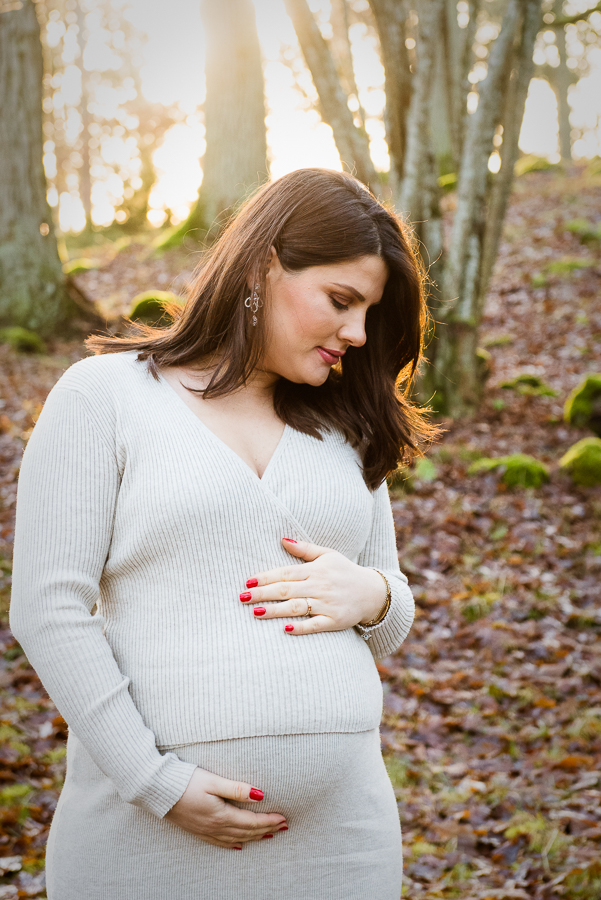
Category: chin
[317,378]
[314,378]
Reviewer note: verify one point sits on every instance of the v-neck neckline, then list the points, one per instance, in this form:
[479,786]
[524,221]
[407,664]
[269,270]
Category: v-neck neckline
[217,440]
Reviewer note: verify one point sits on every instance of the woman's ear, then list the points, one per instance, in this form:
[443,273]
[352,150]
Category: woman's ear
[271,261]
[273,264]
[273,258]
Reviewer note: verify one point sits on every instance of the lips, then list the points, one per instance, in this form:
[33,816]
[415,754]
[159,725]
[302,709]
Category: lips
[330,356]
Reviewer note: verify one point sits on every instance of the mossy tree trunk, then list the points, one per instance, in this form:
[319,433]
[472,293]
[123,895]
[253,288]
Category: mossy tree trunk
[427,59]
[235,160]
[456,379]
[32,286]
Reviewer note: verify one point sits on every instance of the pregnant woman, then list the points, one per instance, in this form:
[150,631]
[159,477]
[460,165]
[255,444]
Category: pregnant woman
[206,569]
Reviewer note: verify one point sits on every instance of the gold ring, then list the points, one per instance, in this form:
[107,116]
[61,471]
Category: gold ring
[308,613]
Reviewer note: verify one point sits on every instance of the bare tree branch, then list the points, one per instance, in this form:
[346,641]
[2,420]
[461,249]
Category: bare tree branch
[352,143]
[343,56]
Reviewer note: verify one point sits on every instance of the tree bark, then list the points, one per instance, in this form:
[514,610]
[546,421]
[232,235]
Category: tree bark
[418,131]
[472,248]
[85,177]
[561,80]
[235,161]
[390,18]
[513,114]
[465,66]
[352,143]
[451,74]
[32,286]
[343,55]
[460,283]
[441,115]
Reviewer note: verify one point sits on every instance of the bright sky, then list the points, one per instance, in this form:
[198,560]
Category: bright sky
[173,72]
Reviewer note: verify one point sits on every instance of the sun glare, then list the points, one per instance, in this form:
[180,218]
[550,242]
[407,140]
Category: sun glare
[171,73]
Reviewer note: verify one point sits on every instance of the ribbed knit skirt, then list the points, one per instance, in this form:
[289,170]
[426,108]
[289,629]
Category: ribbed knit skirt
[343,843]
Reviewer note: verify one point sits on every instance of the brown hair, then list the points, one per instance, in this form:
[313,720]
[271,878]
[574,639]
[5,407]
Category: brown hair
[312,217]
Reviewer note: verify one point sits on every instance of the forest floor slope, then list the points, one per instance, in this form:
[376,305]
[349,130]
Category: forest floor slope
[492,717]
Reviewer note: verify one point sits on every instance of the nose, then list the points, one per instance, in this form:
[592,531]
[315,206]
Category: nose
[352,330]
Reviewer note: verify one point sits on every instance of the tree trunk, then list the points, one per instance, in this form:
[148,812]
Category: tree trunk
[418,131]
[441,120]
[235,161]
[513,114]
[471,250]
[85,179]
[561,80]
[352,143]
[343,55]
[32,287]
[390,18]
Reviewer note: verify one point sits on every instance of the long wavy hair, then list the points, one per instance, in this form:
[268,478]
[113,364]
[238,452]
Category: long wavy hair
[312,217]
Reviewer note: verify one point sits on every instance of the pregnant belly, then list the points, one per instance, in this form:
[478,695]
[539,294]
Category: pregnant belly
[306,777]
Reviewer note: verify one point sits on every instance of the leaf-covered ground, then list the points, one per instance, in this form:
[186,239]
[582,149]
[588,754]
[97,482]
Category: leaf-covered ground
[492,724]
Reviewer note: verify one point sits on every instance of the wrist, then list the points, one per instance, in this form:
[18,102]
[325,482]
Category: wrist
[381,599]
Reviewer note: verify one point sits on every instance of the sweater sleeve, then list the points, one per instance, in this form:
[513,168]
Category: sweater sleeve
[380,552]
[66,497]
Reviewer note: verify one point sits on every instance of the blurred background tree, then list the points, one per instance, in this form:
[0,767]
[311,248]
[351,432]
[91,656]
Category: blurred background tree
[235,160]
[33,294]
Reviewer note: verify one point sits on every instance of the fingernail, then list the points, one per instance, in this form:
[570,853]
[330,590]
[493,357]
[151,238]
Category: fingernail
[237,848]
[265,836]
[246,596]
[283,828]
[252,582]
[289,628]
[290,541]
[259,610]
[256,794]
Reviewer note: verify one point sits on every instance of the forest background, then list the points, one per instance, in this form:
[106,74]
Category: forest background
[480,121]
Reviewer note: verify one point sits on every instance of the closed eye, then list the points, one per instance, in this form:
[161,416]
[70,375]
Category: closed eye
[336,304]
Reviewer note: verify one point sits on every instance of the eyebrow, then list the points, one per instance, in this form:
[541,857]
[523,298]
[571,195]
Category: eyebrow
[353,291]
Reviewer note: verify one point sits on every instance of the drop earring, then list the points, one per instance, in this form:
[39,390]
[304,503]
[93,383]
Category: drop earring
[253,302]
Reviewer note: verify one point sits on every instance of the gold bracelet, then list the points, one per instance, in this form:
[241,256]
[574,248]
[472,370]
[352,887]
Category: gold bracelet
[381,615]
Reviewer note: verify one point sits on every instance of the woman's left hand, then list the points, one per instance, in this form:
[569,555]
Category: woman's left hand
[341,593]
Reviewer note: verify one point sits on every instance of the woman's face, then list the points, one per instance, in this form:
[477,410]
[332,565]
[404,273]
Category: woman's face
[317,313]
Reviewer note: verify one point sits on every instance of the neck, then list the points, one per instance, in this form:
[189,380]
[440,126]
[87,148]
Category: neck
[259,388]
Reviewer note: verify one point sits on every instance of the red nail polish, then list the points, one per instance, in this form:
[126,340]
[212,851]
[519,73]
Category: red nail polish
[290,541]
[265,836]
[246,596]
[289,628]
[252,582]
[259,610]
[283,828]
[237,848]
[256,794]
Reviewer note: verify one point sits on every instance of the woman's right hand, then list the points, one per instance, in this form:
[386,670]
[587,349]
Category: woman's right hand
[203,811]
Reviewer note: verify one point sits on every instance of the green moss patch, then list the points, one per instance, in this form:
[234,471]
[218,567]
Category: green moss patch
[532,163]
[22,339]
[78,266]
[568,264]
[583,461]
[152,307]
[583,405]
[499,341]
[517,469]
[586,231]
[526,383]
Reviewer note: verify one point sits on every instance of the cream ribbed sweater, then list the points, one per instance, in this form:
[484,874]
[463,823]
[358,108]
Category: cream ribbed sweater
[127,501]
